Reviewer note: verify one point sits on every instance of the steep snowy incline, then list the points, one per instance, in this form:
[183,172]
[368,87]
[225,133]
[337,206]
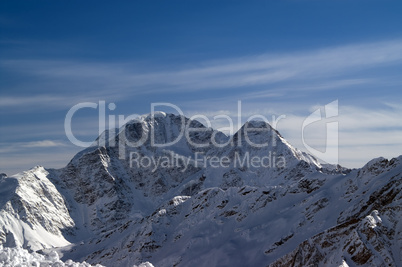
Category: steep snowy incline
[369,230]
[244,226]
[105,189]
[22,257]
[117,205]
[105,186]
[260,156]
[33,213]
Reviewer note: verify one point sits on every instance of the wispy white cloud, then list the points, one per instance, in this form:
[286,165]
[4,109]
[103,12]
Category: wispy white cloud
[13,163]
[20,156]
[322,69]
[43,143]
[18,146]
[37,100]
[280,91]
[364,132]
[64,83]
[87,128]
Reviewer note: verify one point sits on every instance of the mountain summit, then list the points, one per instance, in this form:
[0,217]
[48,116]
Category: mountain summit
[168,190]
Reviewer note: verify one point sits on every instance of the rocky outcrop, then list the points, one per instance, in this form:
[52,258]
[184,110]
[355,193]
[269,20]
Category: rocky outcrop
[265,205]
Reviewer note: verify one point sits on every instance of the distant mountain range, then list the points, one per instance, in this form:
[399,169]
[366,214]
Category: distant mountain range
[206,200]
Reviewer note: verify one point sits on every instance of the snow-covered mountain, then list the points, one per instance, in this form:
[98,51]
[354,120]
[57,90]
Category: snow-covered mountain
[173,204]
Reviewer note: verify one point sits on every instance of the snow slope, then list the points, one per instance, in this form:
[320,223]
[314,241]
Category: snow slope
[21,257]
[101,210]
[33,214]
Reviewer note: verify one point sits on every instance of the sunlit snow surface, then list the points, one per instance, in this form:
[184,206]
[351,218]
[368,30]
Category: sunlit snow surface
[21,257]
[99,209]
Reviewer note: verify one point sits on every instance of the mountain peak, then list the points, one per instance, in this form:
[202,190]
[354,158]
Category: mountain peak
[169,132]
[260,138]
[162,204]
[257,124]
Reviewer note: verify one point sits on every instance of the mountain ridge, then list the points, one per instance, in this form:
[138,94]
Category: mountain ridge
[114,213]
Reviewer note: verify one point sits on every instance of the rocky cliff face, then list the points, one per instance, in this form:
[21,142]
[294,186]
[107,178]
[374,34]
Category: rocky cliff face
[368,231]
[172,204]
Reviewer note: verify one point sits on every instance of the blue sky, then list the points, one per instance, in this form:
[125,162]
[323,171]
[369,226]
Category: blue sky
[276,57]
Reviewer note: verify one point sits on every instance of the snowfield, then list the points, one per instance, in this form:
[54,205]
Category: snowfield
[21,257]
[15,257]
[100,210]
